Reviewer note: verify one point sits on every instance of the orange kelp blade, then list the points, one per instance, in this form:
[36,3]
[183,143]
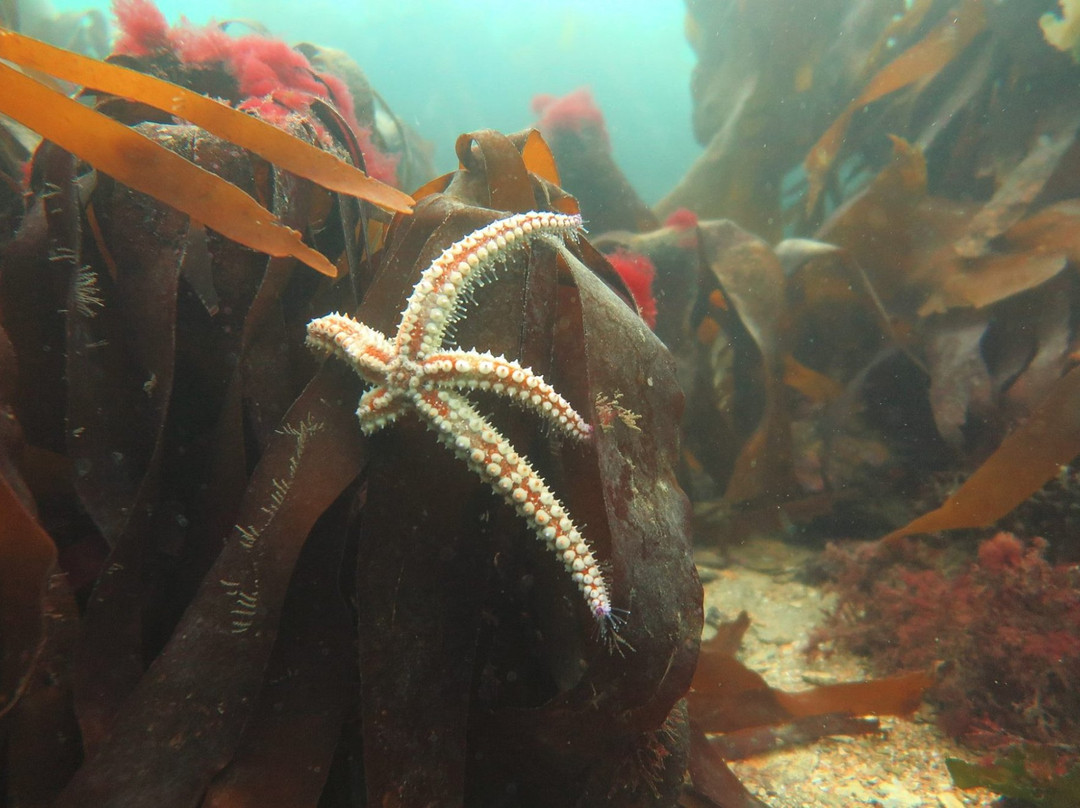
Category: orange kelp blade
[1025,461]
[266,140]
[538,157]
[143,165]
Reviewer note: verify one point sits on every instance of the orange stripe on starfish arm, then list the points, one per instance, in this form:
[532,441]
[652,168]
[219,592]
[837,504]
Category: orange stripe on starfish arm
[469,370]
[356,343]
[445,278]
[378,407]
[142,164]
[266,140]
[472,438]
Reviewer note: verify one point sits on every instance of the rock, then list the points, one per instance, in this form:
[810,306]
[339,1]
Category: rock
[894,795]
[947,799]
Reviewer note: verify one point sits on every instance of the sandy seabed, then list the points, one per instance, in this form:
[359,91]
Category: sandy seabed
[903,767]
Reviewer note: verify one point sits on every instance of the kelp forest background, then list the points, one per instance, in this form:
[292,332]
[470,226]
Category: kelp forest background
[851,327]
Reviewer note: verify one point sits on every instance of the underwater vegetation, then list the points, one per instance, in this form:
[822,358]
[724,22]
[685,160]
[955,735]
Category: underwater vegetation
[257,601]
[912,295]
[743,716]
[1008,643]
[234,573]
[868,280]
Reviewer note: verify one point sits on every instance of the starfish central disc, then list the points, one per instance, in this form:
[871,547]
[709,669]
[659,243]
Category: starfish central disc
[414,371]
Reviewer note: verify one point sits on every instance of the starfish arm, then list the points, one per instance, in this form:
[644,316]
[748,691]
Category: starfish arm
[483,371]
[380,406]
[473,439]
[364,348]
[434,304]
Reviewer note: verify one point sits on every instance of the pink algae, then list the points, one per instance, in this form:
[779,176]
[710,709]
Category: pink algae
[1003,629]
[638,273]
[575,112]
[272,79]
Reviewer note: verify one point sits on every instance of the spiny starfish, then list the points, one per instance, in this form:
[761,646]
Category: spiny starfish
[416,372]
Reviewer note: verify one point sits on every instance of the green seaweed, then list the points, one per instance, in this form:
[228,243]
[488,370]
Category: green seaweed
[1034,775]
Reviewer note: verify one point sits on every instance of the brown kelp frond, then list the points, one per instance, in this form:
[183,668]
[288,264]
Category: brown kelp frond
[1034,453]
[28,555]
[919,63]
[148,167]
[276,145]
[141,164]
[744,716]
[727,697]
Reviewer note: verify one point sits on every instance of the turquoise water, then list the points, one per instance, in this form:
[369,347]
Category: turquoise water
[451,67]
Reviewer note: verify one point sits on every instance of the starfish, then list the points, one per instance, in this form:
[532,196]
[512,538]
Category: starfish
[416,372]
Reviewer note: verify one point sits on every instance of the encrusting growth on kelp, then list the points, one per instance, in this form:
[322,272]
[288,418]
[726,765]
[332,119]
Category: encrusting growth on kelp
[414,371]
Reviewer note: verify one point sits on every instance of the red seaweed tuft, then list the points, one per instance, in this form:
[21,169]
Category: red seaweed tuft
[575,111]
[1005,628]
[638,273]
[681,219]
[1003,552]
[271,79]
[143,28]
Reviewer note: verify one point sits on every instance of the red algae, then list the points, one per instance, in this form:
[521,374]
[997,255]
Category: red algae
[681,219]
[272,79]
[143,28]
[576,111]
[1004,629]
[638,273]
[1003,552]
[685,222]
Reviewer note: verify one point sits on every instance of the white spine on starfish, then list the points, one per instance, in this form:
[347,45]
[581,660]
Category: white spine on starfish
[434,304]
[360,345]
[483,371]
[473,439]
[378,407]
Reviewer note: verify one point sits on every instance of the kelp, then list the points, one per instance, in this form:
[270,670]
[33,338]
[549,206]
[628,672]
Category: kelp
[752,282]
[712,780]
[772,345]
[287,751]
[726,696]
[736,714]
[926,306]
[436,623]
[182,378]
[139,163]
[28,556]
[136,460]
[757,66]
[918,64]
[143,165]
[279,608]
[1032,454]
[38,617]
[273,576]
[219,119]
[215,663]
